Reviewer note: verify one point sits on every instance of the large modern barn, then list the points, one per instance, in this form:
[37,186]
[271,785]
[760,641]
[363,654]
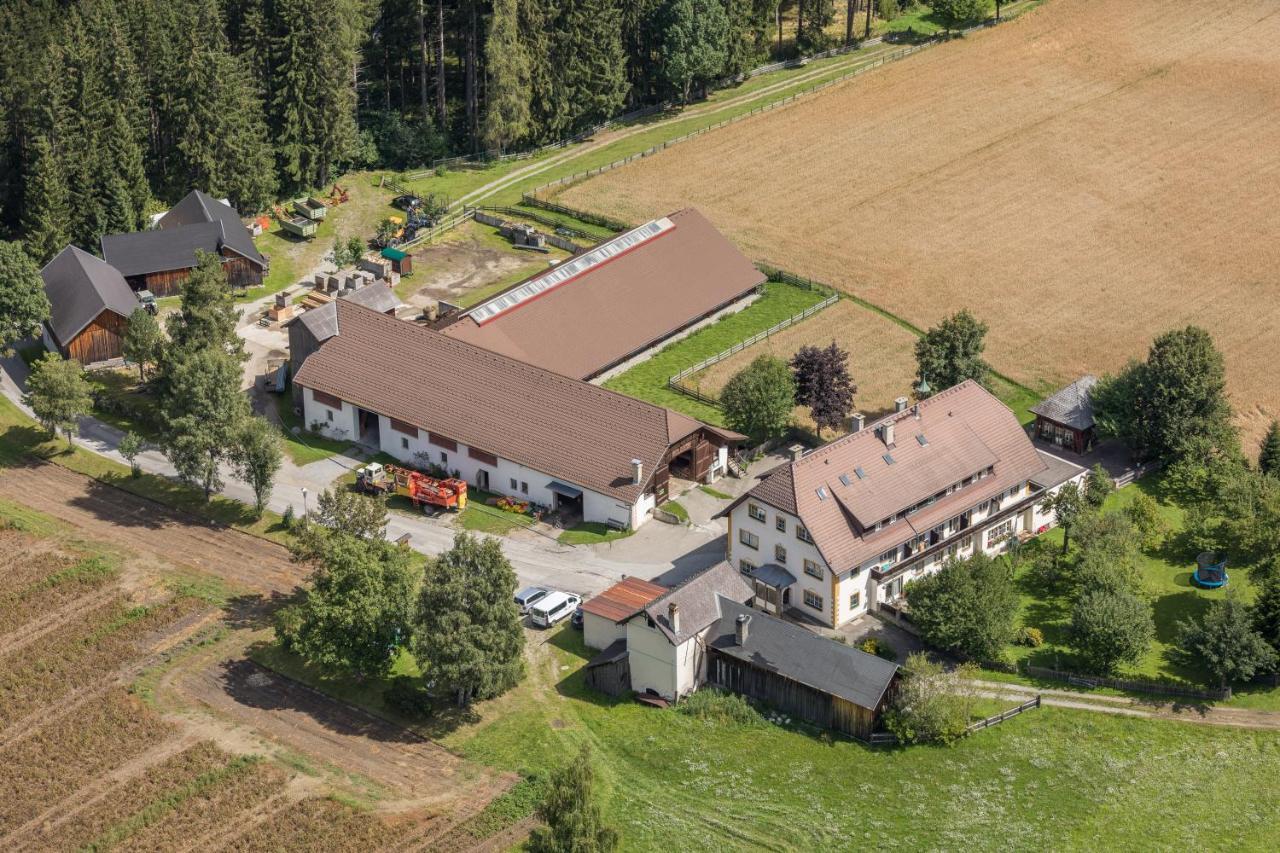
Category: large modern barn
[612,303]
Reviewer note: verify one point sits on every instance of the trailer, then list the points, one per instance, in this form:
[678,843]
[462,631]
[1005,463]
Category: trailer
[299,226]
[310,207]
[421,490]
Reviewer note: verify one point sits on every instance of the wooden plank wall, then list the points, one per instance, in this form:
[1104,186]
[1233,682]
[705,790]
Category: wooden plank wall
[101,340]
[789,697]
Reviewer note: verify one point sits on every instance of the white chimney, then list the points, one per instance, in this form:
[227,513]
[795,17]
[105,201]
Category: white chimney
[637,471]
[900,404]
[886,432]
[857,421]
[740,629]
[673,616]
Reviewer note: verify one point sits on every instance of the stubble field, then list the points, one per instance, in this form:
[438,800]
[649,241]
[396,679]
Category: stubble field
[1083,178]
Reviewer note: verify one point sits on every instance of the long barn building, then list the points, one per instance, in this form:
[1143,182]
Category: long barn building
[504,426]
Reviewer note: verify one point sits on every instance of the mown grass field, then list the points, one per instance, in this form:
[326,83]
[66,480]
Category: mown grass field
[1082,178]
[1051,778]
[648,380]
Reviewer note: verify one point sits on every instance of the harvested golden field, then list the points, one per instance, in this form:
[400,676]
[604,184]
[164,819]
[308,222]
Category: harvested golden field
[1083,178]
[881,355]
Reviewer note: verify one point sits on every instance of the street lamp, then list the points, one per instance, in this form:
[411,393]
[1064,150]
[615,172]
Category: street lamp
[304,501]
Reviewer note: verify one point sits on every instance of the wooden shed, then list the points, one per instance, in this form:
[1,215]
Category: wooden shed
[797,672]
[610,671]
[1066,418]
[89,307]
[401,262]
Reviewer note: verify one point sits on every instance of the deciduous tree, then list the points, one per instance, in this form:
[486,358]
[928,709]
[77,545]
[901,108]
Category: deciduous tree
[823,384]
[932,704]
[467,631]
[143,341]
[130,447]
[58,394]
[951,352]
[759,399]
[1226,642]
[256,455]
[202,410]
[355,616]
[1110,628]
[1067,505]
[23,305]
[1098,486]
[693,44]
[959,13]
[967,606]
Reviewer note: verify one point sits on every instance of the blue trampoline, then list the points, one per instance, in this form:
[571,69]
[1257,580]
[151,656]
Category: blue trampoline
[1211,570]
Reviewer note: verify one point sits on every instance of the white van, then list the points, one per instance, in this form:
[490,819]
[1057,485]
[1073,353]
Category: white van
[549,610]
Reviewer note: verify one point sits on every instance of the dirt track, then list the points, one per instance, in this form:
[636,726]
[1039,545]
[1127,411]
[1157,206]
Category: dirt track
[111,515]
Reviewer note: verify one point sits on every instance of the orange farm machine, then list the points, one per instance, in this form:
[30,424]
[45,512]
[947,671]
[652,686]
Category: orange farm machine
[423,491]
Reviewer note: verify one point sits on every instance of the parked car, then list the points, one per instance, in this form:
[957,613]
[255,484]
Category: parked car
[407,202]
[528,596]
[576,621]
[553,608]
[148,300]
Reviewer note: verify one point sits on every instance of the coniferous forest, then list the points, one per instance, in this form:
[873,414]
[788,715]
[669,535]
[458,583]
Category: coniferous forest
[114,107]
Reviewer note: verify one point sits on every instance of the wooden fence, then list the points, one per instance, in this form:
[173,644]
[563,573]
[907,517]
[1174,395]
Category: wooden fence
[1004,715]
[1159,688]
[580,215]
[890,739]
[675,382]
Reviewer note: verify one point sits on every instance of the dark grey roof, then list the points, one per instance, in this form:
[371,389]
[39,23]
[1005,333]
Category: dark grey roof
[322,322]
[1072,406]
[142,252]
[1057,472]
[198,222]
[615,651]
[774,575]
[803,656]
[697,599]
[201,207]
[80,286]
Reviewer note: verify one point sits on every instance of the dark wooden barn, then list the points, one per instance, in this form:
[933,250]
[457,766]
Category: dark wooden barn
[797,672]
[610,671]
[161,259]
[1066,418]
[90,306]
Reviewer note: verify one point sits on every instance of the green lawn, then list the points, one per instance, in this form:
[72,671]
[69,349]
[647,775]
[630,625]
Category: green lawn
[21,439]
[648,380]
[592,533]
[677,509]
[304,447]
[121,402]
[1052,778]
[716,493]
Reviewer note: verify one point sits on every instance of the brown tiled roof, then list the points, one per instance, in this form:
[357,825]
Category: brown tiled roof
[623,305]
[965,430]
[565,428]
[697,602]
[624,599]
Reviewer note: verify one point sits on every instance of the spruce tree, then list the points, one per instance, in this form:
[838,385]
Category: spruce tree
[571,812]
[507,111]
[208,317]
[1269,454]
[592,65]
[45,212]
[23,304]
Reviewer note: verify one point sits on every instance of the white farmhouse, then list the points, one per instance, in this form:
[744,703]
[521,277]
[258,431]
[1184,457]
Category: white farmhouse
[841,530]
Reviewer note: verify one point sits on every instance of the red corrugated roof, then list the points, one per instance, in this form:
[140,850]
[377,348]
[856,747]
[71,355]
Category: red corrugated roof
[624,599]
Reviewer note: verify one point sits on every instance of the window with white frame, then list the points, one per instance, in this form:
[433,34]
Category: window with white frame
[780,555]
[746,567]
[812,599]
[1000,532]
[812,569]
[781,524]
[756,512]
[746,537]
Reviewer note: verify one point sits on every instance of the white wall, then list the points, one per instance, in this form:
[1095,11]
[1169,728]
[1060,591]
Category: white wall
[797,552]
[342,424]
[599,632]
[651,658]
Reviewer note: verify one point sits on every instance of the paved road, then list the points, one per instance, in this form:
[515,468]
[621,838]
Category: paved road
[656,551]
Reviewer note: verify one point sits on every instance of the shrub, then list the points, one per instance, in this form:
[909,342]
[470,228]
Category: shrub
[717,706]
[879,648]
[1110,627]
[409,697]
[1032,637]
[288,519]
[932,705]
